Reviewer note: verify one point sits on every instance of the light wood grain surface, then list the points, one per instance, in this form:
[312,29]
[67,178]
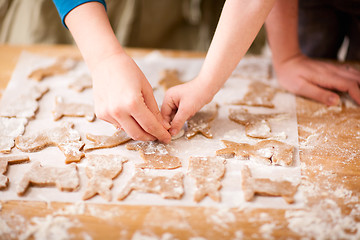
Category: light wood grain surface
[330,161]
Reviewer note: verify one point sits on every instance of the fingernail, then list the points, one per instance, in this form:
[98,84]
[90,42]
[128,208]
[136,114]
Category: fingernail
[333,100]
[173,132]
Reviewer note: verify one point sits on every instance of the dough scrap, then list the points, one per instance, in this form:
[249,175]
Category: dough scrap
[81,83]
[5,161]
[201,121]
[269,152]
[61,66]
[25,105]
[155,155]
[101,170]
[66,138]
[101,141]
[259,95]
[256,125]
[10,128]
[266,187]
[72,110]
[207,172]
[170,78]
[65,179]
[166,187]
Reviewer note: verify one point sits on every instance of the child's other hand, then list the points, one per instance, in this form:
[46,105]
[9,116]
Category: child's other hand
[315,79]
[124,97]
[182,102]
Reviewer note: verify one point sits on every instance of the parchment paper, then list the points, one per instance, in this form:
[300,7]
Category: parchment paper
[223,128]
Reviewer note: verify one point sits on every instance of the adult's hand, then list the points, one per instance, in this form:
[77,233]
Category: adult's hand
[316,79]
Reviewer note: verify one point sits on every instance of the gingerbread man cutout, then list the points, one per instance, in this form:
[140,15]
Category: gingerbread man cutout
[256,125]
[259,95]
[201,121]
[170,78]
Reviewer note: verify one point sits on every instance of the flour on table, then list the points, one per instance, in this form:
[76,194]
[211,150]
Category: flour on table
[49,227]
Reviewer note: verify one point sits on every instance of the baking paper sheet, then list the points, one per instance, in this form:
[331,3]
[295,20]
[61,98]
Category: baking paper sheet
[223,128]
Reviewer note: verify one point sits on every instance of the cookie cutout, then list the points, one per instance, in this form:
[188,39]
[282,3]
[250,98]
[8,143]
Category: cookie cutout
[266,187]
[155,155]
[101,170]
[81,83]
[60,67]
[268,152]
[65,179]
[25,105]
[5,161]
[166,187]
[63,109]
[64,137]
[259,95]
[201,122]
[10,128]
[207,172]
[101,141]
[256,125]
[169,79]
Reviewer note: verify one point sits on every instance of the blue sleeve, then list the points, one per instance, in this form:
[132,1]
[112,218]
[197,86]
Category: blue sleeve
[65,6]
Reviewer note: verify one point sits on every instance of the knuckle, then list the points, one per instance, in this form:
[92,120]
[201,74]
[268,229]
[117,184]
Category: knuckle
[150,128]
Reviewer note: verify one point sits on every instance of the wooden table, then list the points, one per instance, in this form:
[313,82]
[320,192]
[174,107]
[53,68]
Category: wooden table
[330,163]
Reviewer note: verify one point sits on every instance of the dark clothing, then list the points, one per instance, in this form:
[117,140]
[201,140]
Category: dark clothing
[323,25]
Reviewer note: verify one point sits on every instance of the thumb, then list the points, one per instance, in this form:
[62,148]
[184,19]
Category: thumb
[179,120]
[153,107]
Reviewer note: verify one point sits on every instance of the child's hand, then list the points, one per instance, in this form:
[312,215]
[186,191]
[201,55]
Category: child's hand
[182,102]
[315,79]
[124,97]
